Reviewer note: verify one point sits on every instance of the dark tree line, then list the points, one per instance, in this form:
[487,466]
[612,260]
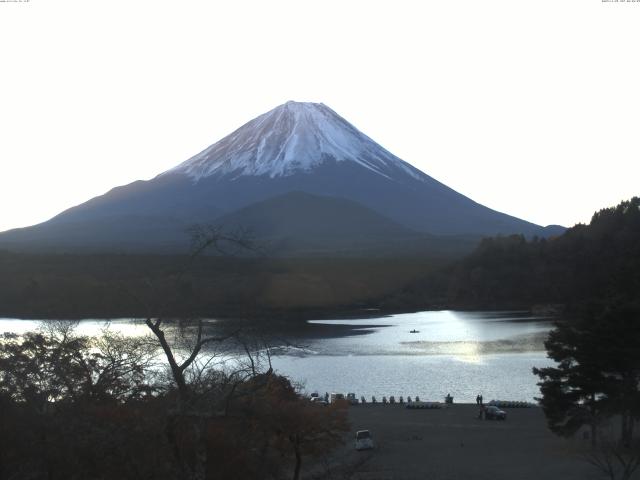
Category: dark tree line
[98,286]
[588,263]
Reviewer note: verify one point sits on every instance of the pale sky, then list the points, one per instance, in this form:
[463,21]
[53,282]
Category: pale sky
[529,107]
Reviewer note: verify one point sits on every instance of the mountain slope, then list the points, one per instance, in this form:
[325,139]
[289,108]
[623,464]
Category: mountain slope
[298,223]
[296,147]
[302,215]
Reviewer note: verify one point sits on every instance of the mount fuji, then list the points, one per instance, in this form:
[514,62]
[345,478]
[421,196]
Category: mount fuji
[300,176]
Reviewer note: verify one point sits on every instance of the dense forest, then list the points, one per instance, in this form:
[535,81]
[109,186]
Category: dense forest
[588,263]
[112,286]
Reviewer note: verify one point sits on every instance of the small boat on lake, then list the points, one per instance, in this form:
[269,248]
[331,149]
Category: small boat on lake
[414,331]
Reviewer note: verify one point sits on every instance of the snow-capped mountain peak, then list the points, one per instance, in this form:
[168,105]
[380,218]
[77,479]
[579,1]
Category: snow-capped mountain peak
[293,137]
[300,176]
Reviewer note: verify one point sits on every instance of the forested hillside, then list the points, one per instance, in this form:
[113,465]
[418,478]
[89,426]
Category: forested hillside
[111,286]
[588,263]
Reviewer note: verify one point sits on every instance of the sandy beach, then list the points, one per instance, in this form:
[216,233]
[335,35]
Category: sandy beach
[452,443]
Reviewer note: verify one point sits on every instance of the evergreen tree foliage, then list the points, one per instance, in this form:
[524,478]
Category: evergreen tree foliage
[597,374]
[599,262]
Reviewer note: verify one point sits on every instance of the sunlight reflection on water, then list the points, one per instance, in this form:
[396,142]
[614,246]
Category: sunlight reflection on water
[462,353]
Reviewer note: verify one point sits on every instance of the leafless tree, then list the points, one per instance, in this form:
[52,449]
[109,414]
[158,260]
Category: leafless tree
[201,389]
[615,459]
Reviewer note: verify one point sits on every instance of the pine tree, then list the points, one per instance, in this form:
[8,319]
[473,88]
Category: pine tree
[597,373]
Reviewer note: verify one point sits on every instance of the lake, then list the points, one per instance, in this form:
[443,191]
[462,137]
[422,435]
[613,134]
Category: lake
[461,353]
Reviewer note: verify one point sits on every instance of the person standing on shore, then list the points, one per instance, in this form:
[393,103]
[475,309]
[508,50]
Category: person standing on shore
[478,399]
[481,400]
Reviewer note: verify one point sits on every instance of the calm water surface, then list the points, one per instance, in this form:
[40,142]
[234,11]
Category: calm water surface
[462,353]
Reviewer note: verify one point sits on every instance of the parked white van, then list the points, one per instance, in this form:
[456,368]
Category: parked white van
[364,440]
